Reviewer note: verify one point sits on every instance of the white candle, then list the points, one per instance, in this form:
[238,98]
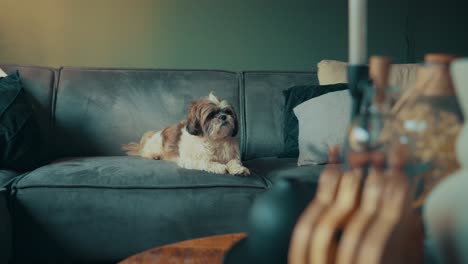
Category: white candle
[357,26]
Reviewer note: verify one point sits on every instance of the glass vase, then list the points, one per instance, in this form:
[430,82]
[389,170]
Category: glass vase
[427,121]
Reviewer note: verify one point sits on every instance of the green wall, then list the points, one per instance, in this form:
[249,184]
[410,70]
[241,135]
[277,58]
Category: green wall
[216,34]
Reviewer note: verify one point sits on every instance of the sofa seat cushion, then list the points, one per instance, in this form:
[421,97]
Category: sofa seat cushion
[274,169]
[128,172]
[107,208]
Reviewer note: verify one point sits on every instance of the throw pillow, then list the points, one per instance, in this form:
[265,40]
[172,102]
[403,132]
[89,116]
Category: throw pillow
[323,122]
[331,71]
[293,97]
[19,133]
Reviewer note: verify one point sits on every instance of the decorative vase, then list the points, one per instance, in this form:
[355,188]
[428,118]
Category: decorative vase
[445,211]
[428,121]
[271,221]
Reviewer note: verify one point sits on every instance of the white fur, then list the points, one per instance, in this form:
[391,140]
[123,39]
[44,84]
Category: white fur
[152,147]
[221,104]
[199,153]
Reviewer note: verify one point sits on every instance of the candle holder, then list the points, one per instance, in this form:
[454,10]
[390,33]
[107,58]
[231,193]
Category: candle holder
[357,75]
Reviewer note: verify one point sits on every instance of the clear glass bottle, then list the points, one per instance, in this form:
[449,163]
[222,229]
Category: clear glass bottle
[365,132]
[428,119]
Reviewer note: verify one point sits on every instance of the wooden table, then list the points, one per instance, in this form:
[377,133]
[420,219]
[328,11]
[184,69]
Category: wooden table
[204,250]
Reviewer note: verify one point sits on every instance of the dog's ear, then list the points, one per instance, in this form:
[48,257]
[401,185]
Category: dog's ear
[193,127]
[193,122]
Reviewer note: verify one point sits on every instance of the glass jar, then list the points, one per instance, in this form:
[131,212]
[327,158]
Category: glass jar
[427,121]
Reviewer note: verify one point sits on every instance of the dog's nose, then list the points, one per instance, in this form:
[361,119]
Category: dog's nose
[222,117]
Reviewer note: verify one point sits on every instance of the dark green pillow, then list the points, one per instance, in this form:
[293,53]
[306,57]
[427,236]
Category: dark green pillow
[20,142]
[293,97]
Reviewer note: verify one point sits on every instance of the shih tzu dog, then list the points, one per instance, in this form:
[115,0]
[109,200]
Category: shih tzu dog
[205,141]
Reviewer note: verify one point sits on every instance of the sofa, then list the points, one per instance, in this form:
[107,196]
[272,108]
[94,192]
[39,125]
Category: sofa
[90,203]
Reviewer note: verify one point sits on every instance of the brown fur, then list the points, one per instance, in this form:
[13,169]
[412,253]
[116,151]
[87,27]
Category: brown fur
[133,149]
[194,118]
[199,113]
[170,141]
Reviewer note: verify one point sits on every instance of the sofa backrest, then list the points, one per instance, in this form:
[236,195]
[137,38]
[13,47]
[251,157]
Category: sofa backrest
[93,111]
[263,101]
[99,110]
[39,84]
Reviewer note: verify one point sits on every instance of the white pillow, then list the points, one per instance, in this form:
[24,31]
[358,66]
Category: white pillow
[332,71]
[323,122]
[2,73]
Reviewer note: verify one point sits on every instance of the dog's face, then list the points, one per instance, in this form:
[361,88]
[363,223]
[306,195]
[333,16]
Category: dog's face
[212,118]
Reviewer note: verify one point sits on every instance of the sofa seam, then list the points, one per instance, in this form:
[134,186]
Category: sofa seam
[243,114]
[268,182]
[53,108]
[136,187]
[54,97]
[30,66]
[282,72]
[142,69]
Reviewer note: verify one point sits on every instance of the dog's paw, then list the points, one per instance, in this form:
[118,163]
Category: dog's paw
[218,168]
[235,168]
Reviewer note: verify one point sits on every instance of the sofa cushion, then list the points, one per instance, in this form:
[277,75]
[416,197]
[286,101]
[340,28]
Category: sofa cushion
[89,209]
[20,141]
[38,83]
[277,168]
[98,110]
[319,132]
[293,97]
[263,110]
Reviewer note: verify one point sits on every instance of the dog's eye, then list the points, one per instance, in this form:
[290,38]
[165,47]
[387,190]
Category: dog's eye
[211,115]
[228,112]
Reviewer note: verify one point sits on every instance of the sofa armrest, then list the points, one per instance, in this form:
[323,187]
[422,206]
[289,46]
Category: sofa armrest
[5,228]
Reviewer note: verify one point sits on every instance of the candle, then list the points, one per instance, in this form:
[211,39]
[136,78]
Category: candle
[357,31]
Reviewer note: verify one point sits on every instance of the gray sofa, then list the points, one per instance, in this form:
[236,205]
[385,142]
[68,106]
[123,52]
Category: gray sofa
[93,204]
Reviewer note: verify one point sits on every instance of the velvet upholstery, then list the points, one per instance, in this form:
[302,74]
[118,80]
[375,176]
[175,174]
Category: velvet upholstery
[96,205]
[264,110]
[274,169]
[21,147]
[107,208]
[98,110]
[39,83]
[6,176]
